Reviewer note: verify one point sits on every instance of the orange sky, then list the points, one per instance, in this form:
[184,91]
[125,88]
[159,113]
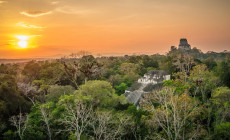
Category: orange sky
[57,27]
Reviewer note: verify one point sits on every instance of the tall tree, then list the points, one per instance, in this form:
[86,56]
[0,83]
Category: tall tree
[75,115]
[173,113]
[31,71]
[21,123]
[223,71]
[203,82]
[89,67]
[184,62]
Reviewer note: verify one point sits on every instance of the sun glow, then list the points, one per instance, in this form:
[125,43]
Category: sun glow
[22,43]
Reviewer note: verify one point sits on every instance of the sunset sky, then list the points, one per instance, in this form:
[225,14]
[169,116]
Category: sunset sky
[42,28]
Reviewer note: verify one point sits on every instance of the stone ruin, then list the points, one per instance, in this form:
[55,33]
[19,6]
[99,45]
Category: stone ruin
[150,81]
[184,44]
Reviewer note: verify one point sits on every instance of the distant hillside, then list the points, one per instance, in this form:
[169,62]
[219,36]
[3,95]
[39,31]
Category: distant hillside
[14,61]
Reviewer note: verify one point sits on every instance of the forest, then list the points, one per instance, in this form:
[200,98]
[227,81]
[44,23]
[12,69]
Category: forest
[81,97]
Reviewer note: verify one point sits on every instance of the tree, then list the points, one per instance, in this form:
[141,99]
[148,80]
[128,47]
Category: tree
[121,88]
[75,115]
[37,126]
[10,97]
[129,68]
[203,82]
[29,91]
[167,64]
[31,71]
[100,125]
[130,73]
[53,73]
[110,125]
[173,113]
[223,71]
[46,115]
[100,94]
[210,63]
[115,80]
[184,62]
[20,122]
[149,62]
[72,72]
[221,103]
[89,67]
[222,131]
[56,91]
[179,82]
[9,69]
[134,59]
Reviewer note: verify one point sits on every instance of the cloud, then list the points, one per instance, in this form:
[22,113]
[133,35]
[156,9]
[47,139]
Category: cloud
[35,13]
[54,2]
[1,1]
[22,24]
[72,10]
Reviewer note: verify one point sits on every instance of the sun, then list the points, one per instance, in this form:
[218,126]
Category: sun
[22,44]
[22,41]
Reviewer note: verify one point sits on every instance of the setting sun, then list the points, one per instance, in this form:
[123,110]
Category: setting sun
[22,43]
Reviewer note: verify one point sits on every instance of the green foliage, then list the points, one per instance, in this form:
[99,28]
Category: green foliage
[130,79]
[149,62]
[10,98]
[38,83]
[100,93]
[210,63]
[221,96]
[9,69]
[2,125]
[10,135]
[222,131]
[221,104]
[55,92]
[198,107]
[35,133]
[169,112]
[223,71]
[167,64]
[37,125]
[115,80]
[179,86]
[36,129]
[53,73]
[134,59]
[32,71]
[3,69]
[203,82]
[89,67]
[121,88]
[129,68]
[44,89]
[136,113]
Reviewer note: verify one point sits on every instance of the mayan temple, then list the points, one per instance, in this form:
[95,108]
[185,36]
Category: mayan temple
[184,44]
[146,84]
